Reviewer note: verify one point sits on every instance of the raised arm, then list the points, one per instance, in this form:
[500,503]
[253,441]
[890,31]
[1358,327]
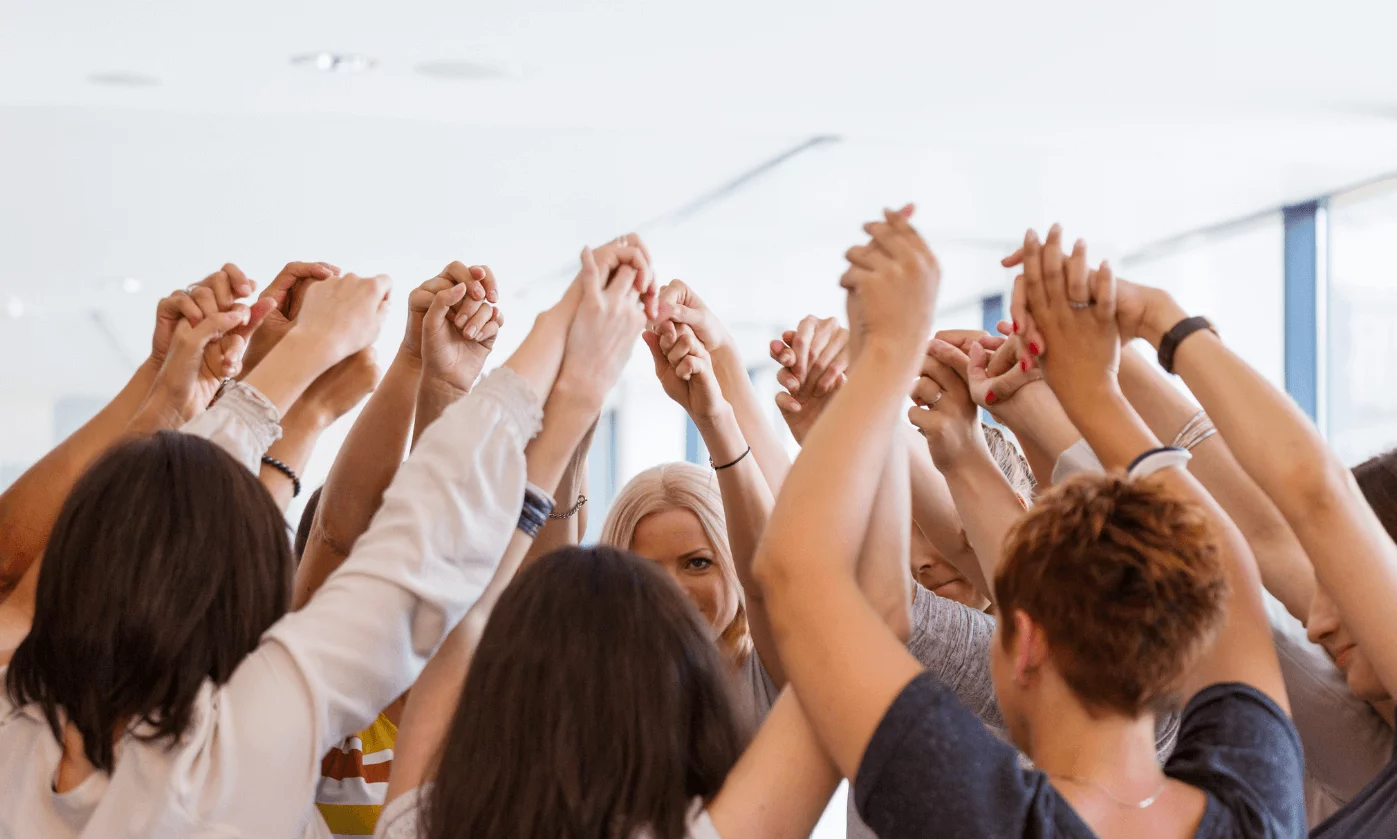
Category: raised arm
[680,306]
[374,448]
[950,421]
[1081,366]
[685,371]
[599,339]
[845,665]
[1285,569]
[29,506]
[1353,557]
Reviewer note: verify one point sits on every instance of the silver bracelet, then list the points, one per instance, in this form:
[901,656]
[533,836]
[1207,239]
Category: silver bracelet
[581,499]
[1196,430]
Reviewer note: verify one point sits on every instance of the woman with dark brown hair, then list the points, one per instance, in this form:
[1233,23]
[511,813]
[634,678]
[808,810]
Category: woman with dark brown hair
[164,692]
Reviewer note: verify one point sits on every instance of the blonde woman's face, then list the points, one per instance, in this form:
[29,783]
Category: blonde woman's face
[675,541]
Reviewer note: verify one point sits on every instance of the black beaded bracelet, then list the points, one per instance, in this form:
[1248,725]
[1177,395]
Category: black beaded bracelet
[287,471]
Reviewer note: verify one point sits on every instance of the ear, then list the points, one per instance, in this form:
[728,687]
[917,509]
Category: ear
[1030,648]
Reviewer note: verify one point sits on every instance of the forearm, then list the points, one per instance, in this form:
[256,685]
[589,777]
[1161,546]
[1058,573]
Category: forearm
[562,532]
[838,487]
[1285,569]
[747,502]
[300,431]
[988,507]
[883,571]
[737,388]
[431,705]
[934,511]
[361,473]
[292,365]
[432,398]
[1039,461]
[1352,554]
[30,506]
[1041,426]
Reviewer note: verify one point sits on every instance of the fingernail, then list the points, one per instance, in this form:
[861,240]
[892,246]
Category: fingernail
[990,398]
[477,272]
[1033,348]
[1024,365]
[477,293]
[1016,327]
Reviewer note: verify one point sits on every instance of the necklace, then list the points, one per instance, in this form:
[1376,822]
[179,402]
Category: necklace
[1134,805]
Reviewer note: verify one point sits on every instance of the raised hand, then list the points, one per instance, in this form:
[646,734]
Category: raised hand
[284,297]
[685,370]
[944,412]
[604,328]
[186,382]
[892,283]
[630,250]
[341,315]
[457,324]
[678,306]
[1075,310]
[825,346]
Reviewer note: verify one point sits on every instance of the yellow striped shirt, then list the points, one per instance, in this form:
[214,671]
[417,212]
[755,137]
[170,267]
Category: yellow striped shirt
[354,780]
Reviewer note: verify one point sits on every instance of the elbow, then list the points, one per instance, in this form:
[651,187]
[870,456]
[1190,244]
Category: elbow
[1314,489]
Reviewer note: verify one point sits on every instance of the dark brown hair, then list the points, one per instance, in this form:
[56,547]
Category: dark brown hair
[167,563]
[1377,478]
[1126,581]
[596,705]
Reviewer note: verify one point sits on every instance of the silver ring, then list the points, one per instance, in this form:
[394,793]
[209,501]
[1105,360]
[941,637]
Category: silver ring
[1079,306]
[932,403]
[189,289]
[622,241]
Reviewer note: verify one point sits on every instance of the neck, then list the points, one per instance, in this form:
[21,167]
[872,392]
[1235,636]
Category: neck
[1112,750]
[1385,710]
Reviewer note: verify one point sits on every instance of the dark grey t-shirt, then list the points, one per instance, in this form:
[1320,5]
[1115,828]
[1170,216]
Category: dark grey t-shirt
[931,768]
[1371,813]
[953,640]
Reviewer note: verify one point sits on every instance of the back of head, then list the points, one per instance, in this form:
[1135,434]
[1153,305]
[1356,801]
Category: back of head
[595,706]
[1377,479]
[1127,583]
[690,487]
[1010,461]
[167,563]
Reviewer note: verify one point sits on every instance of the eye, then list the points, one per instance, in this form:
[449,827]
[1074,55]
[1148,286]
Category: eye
[698,563]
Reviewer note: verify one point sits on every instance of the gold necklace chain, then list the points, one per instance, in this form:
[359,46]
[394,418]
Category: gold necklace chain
[1134,805]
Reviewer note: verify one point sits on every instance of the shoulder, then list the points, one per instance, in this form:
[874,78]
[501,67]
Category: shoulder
[1237,745]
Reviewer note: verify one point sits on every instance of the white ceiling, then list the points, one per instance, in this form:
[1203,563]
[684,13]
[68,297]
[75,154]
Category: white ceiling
[1130,122]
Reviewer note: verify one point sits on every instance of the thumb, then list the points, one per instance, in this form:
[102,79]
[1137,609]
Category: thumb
[787,403]
[442,302]
[653,342]
[255,315]
[976,374]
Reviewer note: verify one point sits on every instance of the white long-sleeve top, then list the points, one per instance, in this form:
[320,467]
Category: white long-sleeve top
[248,763]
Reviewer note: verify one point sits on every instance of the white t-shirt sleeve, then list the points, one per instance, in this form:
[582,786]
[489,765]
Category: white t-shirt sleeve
[326,671]
[1075,460]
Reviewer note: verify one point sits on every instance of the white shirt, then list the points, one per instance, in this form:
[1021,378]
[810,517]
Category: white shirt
[249,761]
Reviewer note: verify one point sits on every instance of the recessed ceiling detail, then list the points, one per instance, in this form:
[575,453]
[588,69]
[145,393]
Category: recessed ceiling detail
[335,62]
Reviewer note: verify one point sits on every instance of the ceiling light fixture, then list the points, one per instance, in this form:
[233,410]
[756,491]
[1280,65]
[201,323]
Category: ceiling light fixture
[335,62]
[123,80]
[15,307]
[131,285]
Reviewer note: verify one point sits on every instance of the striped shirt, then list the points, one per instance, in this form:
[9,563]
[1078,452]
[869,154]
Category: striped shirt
[354,780]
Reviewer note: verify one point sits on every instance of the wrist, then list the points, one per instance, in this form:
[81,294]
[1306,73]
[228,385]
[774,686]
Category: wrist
[1161,315]
[723,438]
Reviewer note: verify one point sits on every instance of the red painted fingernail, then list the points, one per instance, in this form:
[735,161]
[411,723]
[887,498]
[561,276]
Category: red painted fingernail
[990,397]
[1016,327]
[1033,348]
[1024,365]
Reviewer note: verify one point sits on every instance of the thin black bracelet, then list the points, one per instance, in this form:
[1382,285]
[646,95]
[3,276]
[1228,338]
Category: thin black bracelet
[1169,344]
[581,499]
[287,471]
[717,468]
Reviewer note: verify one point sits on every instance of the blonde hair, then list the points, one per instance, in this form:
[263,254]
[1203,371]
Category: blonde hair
[682,486]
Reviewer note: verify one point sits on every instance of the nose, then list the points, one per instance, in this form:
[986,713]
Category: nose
[1324,617]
